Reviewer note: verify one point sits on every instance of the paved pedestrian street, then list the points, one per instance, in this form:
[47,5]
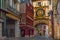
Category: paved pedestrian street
[29,19]
[31,38]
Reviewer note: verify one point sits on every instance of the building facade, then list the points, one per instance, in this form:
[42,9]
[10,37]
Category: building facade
[56,9]
[10,18]
[27,13]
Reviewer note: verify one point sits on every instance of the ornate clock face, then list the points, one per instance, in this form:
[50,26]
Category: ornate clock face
[40,12]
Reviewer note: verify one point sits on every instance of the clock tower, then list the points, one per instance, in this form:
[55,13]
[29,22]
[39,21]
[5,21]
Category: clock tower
[42,20]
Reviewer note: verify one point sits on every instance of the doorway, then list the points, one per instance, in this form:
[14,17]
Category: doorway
[22,33]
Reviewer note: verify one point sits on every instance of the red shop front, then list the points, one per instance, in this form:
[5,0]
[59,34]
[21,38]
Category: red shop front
[27,31]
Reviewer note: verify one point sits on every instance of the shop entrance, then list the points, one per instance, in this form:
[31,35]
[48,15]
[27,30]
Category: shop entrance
[22,33]
[10,23]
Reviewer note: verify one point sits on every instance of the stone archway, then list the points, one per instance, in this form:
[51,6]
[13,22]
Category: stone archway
[46,22]
[42,29]
[41,21]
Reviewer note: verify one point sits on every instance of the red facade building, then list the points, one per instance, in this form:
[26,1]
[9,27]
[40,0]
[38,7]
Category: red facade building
[27,17]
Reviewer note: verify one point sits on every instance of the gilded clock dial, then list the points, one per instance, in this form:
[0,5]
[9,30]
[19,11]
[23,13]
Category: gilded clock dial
[40,12]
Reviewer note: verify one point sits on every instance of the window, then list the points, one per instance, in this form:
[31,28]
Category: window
[50,2]
[31,2]
[0,13]
[39,3]
[3,29]
[27,1]
[45,3]
[11,3]
[0,3]
[18,0]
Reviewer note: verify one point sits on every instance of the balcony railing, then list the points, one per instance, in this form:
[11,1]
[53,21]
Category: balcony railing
[13,10]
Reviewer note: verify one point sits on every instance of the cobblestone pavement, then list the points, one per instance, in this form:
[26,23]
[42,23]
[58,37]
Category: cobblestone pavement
[31,38]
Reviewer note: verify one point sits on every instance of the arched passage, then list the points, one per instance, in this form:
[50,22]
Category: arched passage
[42,29]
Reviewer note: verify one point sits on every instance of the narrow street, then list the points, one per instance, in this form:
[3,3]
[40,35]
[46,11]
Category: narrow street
[31,38]
[29,19]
